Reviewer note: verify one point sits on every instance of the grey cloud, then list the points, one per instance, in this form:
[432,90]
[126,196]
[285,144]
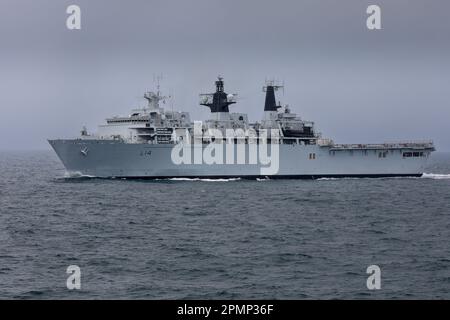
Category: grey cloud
[358,85]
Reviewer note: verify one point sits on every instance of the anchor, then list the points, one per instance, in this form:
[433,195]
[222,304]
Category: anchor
[84,151]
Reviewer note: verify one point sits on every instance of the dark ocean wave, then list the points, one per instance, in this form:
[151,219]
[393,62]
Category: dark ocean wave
[230,239]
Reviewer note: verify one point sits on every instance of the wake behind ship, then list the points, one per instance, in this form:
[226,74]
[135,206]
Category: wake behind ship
[156,143]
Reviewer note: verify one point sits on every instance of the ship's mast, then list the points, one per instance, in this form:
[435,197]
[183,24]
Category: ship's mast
[218,101]
[154,98]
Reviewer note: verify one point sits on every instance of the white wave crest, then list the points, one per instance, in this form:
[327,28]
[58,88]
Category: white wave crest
[437,176]
[76,174]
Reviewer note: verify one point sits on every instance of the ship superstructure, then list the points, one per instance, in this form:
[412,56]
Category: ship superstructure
[150,142]
[151,124]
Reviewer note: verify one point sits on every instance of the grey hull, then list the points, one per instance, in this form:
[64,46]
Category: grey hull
[111,158]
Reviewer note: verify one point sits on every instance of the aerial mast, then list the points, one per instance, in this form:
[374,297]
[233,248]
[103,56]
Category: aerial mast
[219,101]
[154,98]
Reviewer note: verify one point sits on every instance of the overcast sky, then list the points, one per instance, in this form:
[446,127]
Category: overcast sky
[357,85]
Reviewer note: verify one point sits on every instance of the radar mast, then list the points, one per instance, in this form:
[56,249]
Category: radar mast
[218,101]
[154,98]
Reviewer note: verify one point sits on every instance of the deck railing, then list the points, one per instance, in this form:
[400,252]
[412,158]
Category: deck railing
[422,144]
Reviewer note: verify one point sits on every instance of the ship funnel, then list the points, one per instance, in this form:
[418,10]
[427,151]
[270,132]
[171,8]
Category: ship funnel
[269,89]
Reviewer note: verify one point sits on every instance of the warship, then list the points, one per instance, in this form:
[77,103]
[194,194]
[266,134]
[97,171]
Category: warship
[156,143]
